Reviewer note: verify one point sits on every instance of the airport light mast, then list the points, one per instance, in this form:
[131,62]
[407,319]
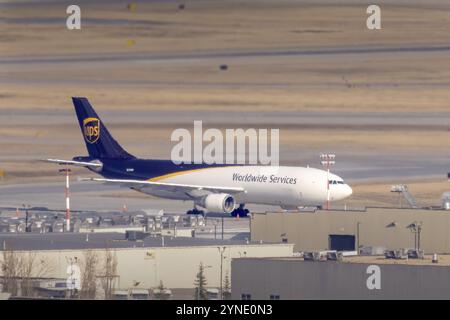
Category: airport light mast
[67,171]
[26,208]
[328,160]
[221,252]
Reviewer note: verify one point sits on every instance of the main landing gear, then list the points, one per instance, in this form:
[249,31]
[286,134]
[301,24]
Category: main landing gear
[241,211]
[195,211]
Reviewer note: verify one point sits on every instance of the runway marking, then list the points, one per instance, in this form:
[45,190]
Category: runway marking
[221,55]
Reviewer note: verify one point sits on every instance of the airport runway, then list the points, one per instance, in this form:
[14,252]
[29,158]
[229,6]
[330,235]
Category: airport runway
[268,119]
[353,164]
[90,196]
[147,57]
[312,63]
[95,196]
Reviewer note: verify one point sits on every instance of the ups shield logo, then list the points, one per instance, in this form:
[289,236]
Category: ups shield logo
[91,128]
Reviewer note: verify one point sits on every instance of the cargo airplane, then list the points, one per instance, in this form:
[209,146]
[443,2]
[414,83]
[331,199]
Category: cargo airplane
[219,188]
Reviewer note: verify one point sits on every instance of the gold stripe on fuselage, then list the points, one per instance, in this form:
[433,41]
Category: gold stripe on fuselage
[174,174]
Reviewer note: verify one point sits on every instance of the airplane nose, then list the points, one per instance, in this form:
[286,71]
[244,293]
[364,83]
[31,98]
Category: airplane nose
[341,192]
[348,191]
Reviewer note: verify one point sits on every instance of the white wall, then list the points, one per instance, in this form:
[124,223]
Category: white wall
[175,266]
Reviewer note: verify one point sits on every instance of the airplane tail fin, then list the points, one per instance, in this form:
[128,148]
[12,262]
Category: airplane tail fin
[99,142]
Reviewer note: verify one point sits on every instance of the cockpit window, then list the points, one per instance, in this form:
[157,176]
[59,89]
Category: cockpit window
[336,182]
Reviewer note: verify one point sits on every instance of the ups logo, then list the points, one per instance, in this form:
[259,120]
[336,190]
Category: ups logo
[91,128]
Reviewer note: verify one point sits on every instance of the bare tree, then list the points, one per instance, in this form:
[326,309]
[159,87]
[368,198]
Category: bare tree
[88,275]
[10,270]
[109,273]
[20,268]
[30,267]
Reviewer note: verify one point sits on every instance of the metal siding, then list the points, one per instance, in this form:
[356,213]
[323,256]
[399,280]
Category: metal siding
[310,231]
[334,280]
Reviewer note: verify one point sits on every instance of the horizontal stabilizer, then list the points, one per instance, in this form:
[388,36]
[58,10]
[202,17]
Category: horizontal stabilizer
[75,163]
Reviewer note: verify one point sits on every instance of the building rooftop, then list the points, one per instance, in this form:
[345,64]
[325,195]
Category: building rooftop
[361,210]
[68,241]
[444,260]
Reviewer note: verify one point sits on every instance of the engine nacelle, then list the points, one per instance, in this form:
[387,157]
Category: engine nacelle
[218,203]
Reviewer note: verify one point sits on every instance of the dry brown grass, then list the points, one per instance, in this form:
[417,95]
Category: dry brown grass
[427,192]
[230,25]
[383,82]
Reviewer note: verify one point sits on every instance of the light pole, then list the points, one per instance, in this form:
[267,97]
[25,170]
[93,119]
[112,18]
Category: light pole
[358,225]
[327,160]
[419,230]
[221,251]
[67,172]
[222,227]
[416,228]
[215,228]
[26,207]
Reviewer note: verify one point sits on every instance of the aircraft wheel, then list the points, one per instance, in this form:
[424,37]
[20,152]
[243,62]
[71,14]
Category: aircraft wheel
[196,212]
[241,211]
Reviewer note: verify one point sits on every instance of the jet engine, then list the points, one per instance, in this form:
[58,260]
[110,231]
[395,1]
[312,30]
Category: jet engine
[218,203]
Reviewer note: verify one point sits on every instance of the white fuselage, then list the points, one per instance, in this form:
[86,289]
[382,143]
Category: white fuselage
[282,186]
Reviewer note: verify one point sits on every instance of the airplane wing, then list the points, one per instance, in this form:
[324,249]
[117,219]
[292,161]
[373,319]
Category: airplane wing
[193,190]
[75,163]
